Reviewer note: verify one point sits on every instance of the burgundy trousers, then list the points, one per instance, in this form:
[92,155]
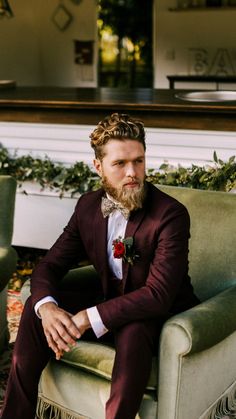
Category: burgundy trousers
[135,344]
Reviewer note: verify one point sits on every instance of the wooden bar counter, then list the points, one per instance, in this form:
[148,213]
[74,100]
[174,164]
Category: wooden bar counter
[156,107]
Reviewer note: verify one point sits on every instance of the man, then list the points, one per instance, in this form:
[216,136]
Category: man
[139,248]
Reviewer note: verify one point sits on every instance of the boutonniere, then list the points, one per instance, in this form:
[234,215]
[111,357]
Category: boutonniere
[124,248]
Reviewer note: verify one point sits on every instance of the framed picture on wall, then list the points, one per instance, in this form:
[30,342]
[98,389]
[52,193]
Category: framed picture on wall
[61,17]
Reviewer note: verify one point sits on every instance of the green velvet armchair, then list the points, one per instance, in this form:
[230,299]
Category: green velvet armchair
[8,255]
[194,376]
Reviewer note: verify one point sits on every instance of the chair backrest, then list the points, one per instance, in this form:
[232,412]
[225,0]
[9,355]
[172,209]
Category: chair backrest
[212,248]
[7,206]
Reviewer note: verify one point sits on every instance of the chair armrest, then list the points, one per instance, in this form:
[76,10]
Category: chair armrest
[8,259]
[7,207]
[203,326]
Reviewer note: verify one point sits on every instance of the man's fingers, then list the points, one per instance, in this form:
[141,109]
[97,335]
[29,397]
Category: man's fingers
[61,338]
[66,327]
[58,345]
[62,342]
[60,330]
[68,333]
[52,344]
[59,354]
[72,329]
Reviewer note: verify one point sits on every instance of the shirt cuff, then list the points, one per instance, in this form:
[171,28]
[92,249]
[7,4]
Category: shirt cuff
[43,301]
[96,322]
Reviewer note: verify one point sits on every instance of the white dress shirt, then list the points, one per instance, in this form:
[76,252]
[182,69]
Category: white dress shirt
[116,229]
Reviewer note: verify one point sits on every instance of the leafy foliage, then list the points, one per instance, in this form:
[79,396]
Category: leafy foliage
[124,16]
[77,178]
[80,178]
[221,176]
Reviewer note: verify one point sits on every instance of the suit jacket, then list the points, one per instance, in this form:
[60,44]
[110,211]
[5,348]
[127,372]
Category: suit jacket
[158,280]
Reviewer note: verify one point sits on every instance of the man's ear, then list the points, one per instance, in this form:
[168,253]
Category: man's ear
[98,166]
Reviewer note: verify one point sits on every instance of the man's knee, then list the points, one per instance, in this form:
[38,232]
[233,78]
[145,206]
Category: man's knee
[138,333]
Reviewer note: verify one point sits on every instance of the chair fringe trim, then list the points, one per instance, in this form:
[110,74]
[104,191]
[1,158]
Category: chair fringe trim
[50,411]
[225,406]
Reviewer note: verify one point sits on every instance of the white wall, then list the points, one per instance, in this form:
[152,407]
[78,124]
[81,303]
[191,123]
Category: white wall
[35,52]
[182,36]
[52,215]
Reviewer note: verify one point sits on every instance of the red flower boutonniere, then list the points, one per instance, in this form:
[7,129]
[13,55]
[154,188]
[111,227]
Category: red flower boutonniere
[123,248]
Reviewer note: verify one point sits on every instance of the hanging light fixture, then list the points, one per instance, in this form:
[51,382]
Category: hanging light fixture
[5,9]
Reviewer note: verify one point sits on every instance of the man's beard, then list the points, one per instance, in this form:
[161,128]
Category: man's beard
[132,199]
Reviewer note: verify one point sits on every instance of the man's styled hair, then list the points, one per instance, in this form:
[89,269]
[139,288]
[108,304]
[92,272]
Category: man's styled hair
[116,127]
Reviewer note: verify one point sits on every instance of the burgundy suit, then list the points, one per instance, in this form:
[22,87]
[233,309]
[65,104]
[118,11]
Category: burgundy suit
[154,287]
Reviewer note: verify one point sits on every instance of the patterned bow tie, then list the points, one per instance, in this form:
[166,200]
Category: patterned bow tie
[108,206]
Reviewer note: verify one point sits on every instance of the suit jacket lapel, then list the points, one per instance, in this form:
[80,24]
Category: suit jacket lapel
[100,246]
[133,224]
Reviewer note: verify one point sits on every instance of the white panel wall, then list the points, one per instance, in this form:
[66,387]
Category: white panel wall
[71,143]
[40,218]
[61,143]
[187,147]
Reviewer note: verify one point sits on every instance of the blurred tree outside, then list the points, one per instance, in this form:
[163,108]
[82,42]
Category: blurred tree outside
[125,43]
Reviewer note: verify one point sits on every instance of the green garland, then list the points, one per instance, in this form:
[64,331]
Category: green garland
[80,178]
[219,176]
[77,178]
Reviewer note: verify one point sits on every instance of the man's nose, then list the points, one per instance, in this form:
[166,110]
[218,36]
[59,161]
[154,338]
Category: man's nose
[130,171]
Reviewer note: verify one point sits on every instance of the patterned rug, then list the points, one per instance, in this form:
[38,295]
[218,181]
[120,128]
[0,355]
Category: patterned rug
[14,310]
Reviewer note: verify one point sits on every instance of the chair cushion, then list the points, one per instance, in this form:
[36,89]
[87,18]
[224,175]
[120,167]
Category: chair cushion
[98,359]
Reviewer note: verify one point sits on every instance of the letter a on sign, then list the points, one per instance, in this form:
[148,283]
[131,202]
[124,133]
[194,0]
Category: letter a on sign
[222,64]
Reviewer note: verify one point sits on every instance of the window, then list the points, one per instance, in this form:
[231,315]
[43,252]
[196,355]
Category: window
[125,43]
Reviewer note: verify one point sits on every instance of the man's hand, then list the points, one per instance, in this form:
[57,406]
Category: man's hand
[60,330]
[81,321]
